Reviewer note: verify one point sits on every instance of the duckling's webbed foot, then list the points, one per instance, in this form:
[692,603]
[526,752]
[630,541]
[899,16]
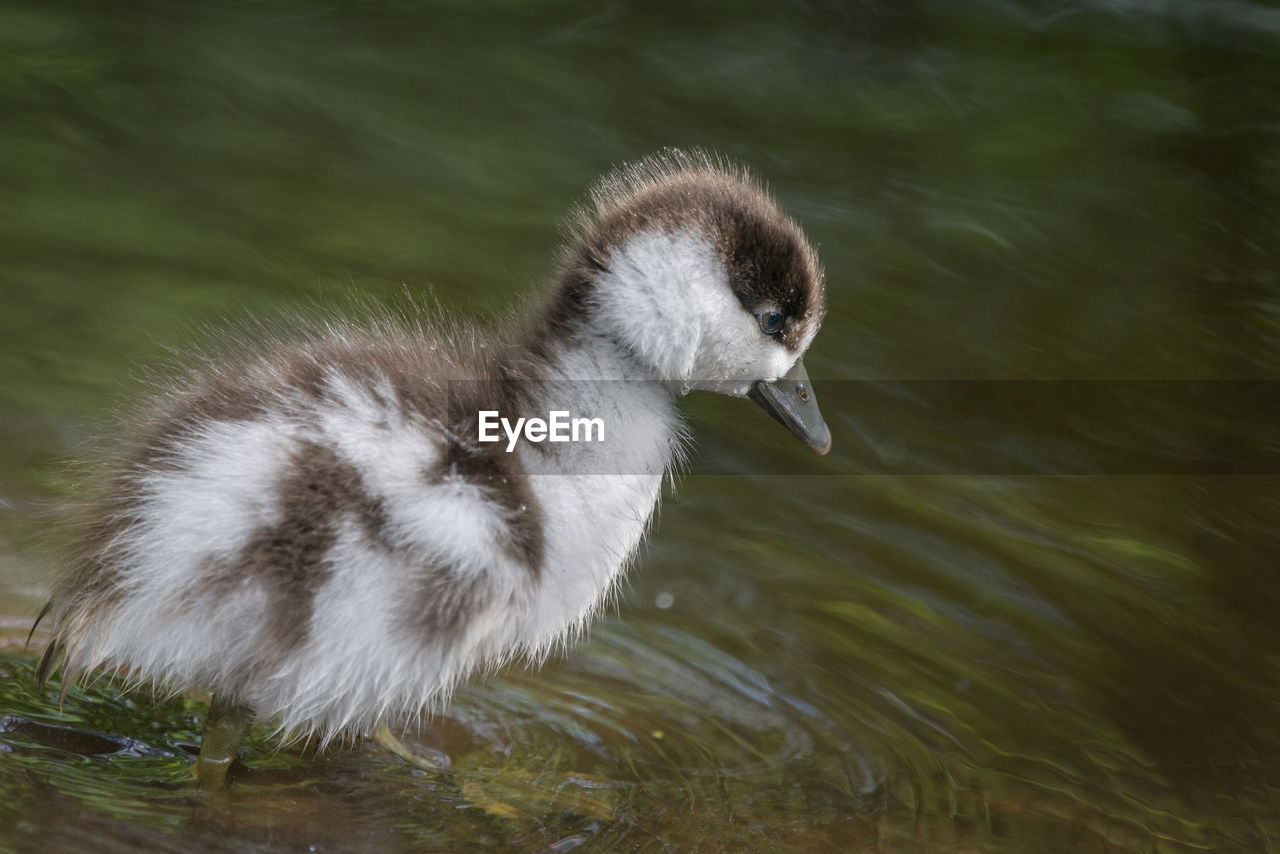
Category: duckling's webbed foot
[224,732]
[425,758]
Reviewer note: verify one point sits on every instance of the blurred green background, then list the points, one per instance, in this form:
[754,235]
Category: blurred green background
[1037,191]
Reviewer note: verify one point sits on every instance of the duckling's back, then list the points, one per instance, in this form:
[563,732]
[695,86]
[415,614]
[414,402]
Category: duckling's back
[304,532]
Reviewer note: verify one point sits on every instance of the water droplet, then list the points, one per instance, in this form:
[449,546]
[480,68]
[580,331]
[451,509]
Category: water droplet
[664,600]
[685,389]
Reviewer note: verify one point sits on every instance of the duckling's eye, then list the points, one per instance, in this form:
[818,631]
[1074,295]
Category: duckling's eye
[771,322]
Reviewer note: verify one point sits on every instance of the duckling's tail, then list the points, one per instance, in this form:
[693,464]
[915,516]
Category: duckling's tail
[48,662]
[44,612]
[49,665]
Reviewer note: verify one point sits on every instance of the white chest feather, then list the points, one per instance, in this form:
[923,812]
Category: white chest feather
[598,499]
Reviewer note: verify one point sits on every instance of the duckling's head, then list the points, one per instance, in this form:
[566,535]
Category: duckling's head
[689,264]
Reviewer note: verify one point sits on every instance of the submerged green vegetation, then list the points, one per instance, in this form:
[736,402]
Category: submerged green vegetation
[1058,634]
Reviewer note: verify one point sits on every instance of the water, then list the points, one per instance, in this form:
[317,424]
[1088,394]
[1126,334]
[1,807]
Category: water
[1041,621]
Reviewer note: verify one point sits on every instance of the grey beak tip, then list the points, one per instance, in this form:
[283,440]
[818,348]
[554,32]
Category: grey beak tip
[791,402]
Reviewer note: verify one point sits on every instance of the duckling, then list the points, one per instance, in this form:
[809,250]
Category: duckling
[324,534]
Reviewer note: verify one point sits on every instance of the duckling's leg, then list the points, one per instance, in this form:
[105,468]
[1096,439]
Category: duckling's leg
[223,733]
[431,760]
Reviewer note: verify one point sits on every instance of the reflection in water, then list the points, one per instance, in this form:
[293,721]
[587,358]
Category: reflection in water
[939,647]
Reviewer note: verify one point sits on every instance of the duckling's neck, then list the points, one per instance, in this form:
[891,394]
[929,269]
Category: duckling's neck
[591,374]
[599,503]
[595,355]
[646,305]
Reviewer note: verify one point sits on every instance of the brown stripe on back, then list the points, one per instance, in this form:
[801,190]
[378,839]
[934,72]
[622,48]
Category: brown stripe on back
[444,601]
[442,395]
[497,472]
[290,558]
[111,500]
[488,465]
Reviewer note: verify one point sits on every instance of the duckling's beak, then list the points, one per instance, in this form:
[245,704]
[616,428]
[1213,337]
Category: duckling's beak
[791,400]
